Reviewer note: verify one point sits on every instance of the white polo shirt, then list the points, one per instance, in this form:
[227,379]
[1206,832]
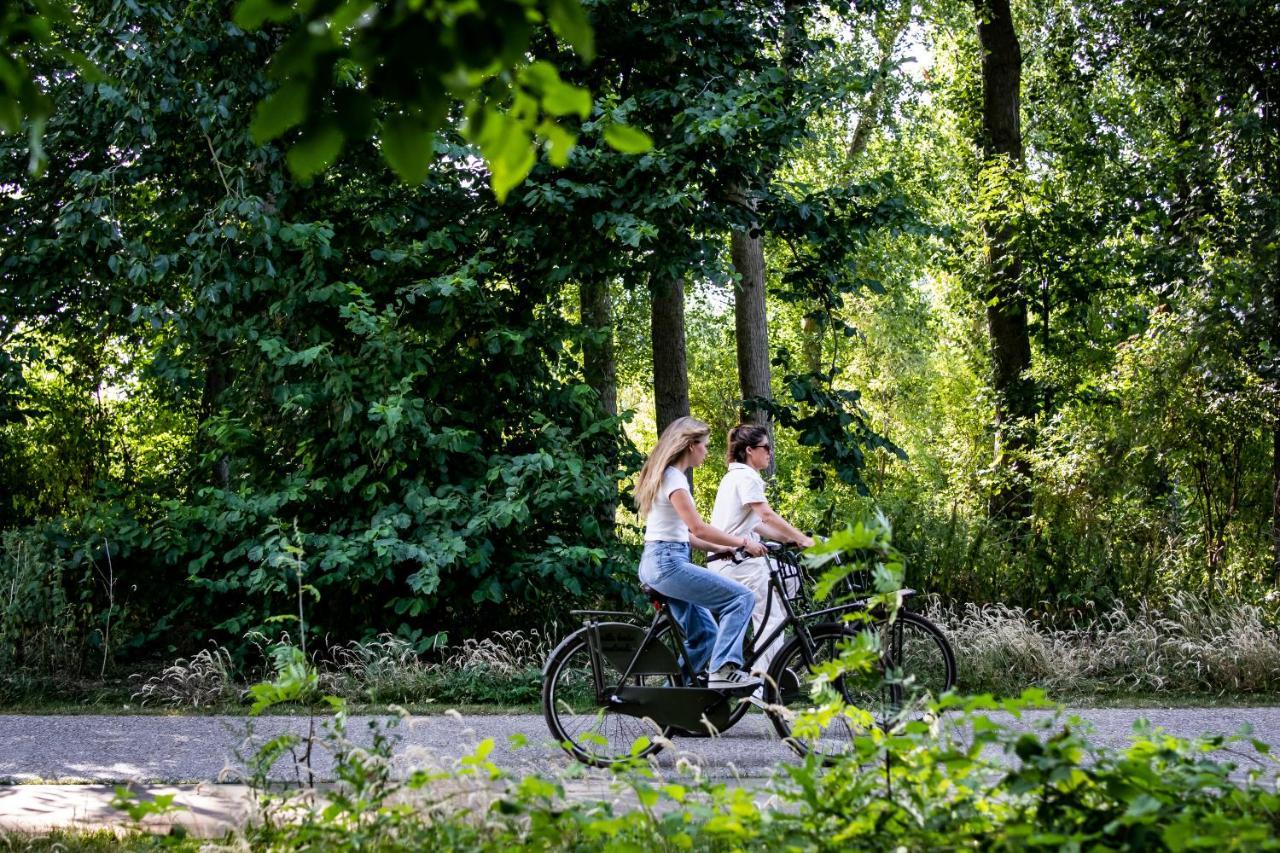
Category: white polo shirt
[741,485]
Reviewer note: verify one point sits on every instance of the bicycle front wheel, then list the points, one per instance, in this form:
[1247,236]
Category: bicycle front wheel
[579,721]
[802,696]
[921,661]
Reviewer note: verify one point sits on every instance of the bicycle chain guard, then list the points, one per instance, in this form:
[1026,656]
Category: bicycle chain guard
[688,708]
[692,709]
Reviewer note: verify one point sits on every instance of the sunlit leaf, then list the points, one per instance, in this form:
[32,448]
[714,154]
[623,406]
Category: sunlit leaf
[251,14]
[569,22]
[627,139]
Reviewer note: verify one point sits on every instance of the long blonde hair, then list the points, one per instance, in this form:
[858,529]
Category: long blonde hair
[679,436]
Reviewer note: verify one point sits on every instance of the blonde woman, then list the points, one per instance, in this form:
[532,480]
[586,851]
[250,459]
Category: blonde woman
[664,500]
[741,510]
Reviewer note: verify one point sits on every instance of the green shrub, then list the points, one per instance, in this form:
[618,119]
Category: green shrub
[42,628]
[976,783]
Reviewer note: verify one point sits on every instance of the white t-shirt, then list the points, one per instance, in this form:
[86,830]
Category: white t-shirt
[664,523]
[741,485]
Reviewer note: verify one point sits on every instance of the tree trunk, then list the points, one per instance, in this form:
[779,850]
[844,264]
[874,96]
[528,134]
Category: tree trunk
[215,383]
[598,362]
[873,104]
[1275,502]
[811,338]
[670,368]
[601,372]
[1271,119]
[1007,305]
[750,314]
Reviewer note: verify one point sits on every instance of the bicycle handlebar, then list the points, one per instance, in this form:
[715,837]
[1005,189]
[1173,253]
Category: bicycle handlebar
[737,555]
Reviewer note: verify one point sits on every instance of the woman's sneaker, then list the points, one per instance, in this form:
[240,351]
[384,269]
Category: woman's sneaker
[732,680]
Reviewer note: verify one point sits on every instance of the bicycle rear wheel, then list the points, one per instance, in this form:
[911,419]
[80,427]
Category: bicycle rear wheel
[584,726]
[796,685]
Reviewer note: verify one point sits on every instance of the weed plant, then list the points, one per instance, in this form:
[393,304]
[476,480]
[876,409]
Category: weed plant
[1190,646]
[206,679]
[41,629]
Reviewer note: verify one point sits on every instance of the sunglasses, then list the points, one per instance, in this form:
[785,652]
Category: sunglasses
[759,447]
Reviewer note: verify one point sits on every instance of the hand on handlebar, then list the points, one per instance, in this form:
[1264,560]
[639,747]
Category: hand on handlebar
[755,548]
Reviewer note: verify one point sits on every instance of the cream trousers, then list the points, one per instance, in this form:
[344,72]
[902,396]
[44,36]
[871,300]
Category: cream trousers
[753,573]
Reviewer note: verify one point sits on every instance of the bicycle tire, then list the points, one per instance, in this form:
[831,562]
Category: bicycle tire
[922,661]
[580,724]
[788,692]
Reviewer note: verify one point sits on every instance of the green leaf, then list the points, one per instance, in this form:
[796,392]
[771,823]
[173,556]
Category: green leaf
[560,142]
[627,139]
[567,99]
[10,115]
[315,151]
[282,109]
[557,97]
[508,148]
[408,147]
[251,14]
[569,22]
[348,14]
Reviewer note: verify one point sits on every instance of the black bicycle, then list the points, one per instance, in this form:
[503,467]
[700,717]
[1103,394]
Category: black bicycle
[612,685]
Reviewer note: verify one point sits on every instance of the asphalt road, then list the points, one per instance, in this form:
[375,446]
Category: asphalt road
[182,749]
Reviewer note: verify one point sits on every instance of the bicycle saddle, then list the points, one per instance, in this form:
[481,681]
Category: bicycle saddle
[657,599]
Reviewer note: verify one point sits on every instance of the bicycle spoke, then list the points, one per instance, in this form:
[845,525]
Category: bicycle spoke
[840,711]
[592,732]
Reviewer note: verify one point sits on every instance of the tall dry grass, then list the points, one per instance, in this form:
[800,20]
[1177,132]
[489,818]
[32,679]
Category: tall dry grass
[1189,645]
[504,668]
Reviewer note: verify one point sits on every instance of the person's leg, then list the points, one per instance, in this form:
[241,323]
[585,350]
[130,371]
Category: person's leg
[699,632]
[659,562]
[681,579]
[754,575]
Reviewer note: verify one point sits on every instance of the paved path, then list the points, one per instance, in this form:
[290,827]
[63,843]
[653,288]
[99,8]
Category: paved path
[193,752]
[181,749]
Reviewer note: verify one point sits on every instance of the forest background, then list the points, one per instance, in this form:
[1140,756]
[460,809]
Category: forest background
[1008,274]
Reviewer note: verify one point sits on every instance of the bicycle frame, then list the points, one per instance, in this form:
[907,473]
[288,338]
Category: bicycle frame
[684,706]
[598,652]
[799,620]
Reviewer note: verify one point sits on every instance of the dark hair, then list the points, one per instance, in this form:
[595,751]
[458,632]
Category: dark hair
[741,438]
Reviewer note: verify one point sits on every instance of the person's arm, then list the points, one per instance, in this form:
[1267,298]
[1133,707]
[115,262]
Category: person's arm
[704,545]
[683,503]
[777,527]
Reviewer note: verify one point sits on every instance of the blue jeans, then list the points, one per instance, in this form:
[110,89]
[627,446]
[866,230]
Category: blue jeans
[694,593]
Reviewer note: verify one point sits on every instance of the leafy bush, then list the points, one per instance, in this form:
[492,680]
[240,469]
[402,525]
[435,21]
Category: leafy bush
[955,778]
[42,629]
[973,782]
